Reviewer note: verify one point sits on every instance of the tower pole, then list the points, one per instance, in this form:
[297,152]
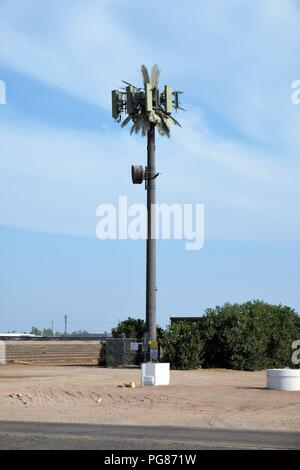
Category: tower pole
[146,109]
[151,241]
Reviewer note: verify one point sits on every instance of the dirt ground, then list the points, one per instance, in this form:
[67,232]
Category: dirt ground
[202,398]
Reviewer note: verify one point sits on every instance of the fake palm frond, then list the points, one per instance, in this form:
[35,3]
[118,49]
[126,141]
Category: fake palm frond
[141,119]
[155,72]
[145,74]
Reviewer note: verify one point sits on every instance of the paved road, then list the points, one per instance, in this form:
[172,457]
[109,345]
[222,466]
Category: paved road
[19,435]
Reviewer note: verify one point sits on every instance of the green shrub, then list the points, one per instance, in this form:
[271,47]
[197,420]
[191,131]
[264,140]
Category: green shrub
[133,328]
[249,336]
[182,346]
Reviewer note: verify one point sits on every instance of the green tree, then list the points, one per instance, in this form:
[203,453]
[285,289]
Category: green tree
[80,332]
[47,332]
[133,328]
[249,336]
[35,331]
[182,345]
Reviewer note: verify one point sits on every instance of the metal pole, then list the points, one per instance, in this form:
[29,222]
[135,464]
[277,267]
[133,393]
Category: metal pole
[151,242]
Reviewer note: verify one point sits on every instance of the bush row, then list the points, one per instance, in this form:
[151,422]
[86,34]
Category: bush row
[249,336]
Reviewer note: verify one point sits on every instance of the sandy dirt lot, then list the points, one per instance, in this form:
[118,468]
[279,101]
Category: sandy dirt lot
[203,398]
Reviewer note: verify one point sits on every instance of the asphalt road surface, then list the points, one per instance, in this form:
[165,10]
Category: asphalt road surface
[20,435]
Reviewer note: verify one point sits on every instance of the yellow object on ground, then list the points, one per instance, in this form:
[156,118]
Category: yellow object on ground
[129,385]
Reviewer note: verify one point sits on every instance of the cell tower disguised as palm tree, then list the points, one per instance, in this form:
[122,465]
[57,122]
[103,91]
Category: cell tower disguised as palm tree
[147,108]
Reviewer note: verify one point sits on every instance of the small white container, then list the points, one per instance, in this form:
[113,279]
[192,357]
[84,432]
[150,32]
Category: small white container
[2,352]
[153,373]
[283,379]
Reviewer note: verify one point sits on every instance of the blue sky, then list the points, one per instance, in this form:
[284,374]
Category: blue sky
[62,155]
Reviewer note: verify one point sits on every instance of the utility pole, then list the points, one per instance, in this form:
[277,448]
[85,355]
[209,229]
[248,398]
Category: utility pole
[147,108]
[66,320]
[151,241]
[52,327]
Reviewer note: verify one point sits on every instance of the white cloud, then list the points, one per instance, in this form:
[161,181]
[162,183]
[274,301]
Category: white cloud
[53,180]
[239,58]
[249,193]
[236,58]
[74,45]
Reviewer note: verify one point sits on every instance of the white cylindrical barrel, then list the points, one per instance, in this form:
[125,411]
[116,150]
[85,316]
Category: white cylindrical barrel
[283,379]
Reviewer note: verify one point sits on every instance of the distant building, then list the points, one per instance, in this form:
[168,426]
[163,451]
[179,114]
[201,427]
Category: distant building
[17,335]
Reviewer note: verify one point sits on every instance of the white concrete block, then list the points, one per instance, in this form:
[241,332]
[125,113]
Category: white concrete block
[2,352]
[283,379]
[153,373]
